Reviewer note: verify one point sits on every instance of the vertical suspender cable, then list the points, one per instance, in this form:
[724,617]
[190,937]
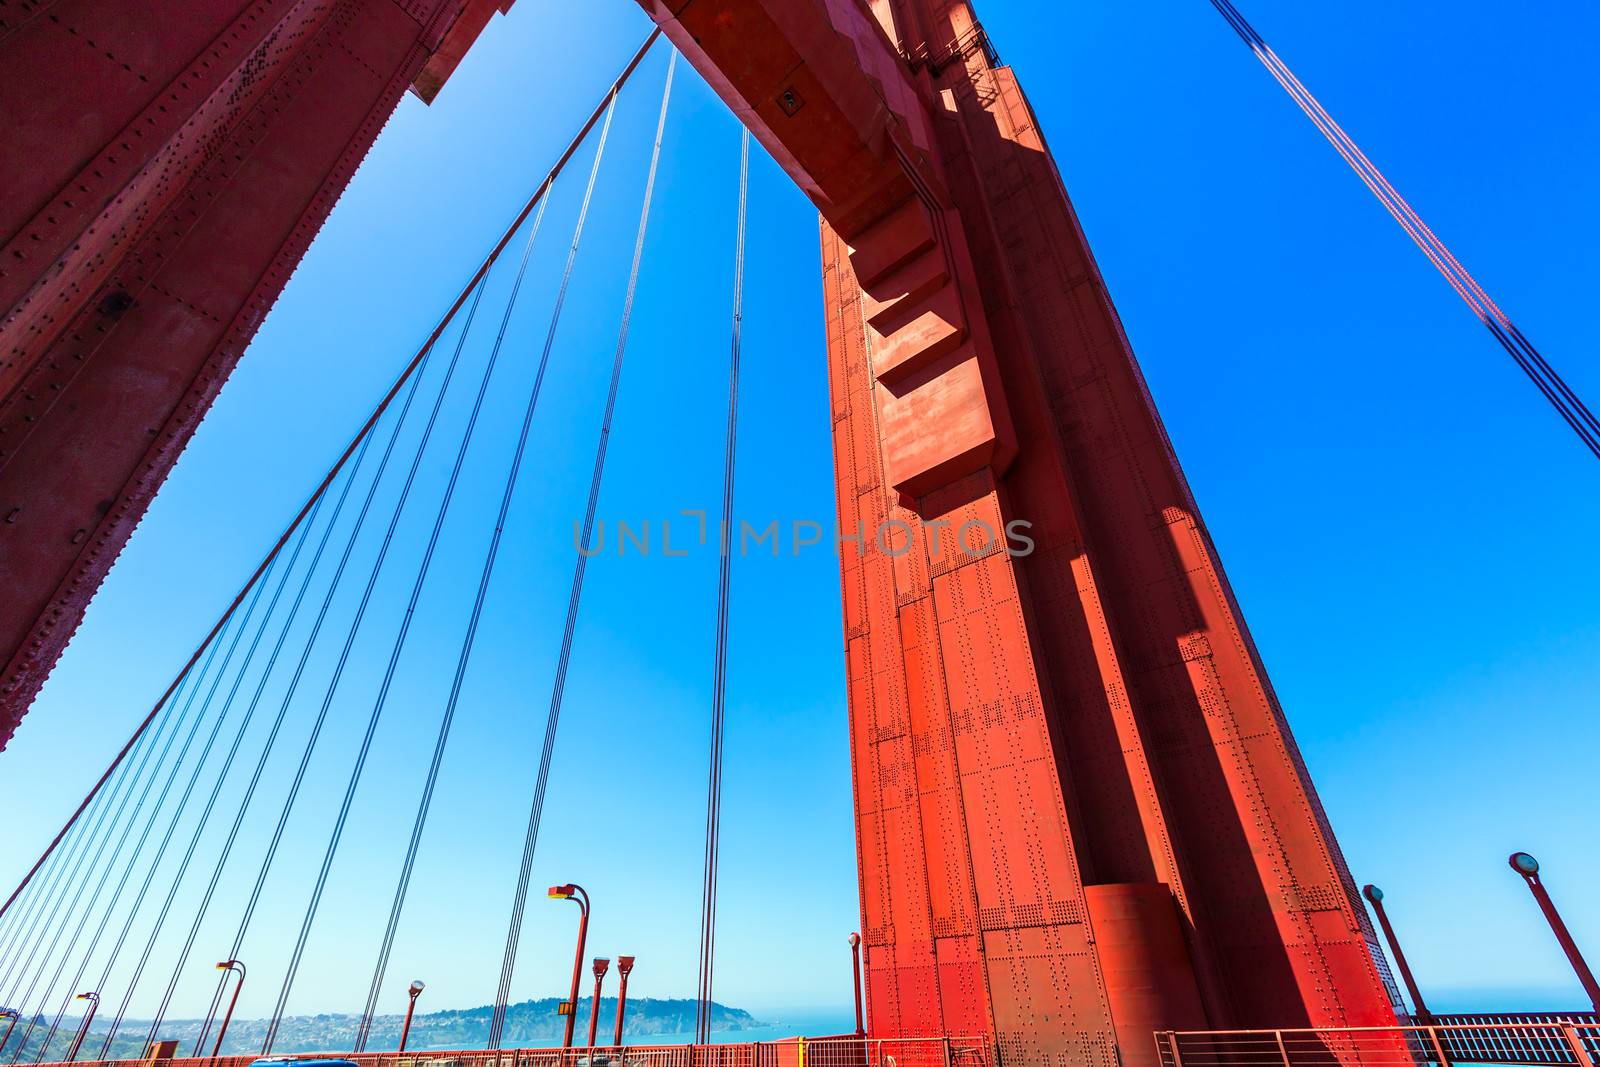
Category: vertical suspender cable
[338,465]
[92,837]
[31,911]
[719,681]
[536,201]
[122,879]
[508,959]
[188,791]
[272,660]
[250,710]
[172,774]
[420,580]
[22,919]
[115,798]
[381,967]
[420,450]
[116,851]
[1550,383]
[77,853]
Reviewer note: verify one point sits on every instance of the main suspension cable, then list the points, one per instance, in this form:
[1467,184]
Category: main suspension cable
[719,681]
[1545,377]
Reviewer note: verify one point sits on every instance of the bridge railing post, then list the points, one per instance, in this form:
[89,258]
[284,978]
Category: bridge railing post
[1438,1046]
[1580,1052]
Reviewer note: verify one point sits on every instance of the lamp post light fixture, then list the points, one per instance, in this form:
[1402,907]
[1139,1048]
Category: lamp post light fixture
[624,968]
[237,967]
[855,967]
[1528,868]
[575,892]
[83,1027]
[411,1009]
[601,966]
[1374,897]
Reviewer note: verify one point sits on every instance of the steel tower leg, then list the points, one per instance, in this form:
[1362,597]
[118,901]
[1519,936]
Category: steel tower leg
[1080,814]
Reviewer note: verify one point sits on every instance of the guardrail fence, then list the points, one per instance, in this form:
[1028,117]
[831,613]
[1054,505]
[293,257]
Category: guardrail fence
[794,1052]
[1532,1040]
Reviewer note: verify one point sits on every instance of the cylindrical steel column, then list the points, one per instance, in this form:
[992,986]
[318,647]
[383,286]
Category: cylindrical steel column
[1144,964]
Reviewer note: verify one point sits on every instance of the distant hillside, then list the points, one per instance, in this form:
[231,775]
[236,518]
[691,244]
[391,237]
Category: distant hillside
[530,1024]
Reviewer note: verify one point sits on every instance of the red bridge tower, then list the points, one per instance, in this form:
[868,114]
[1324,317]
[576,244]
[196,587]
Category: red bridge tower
[1080,813]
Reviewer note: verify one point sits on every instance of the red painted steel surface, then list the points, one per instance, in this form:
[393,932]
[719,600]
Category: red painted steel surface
[1026,728]
[1144,964]
[166,165]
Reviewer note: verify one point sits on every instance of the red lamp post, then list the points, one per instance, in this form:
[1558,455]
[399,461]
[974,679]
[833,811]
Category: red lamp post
[226,965]
[1528,867]
[1374,897]
[83,1028]
[411,1009]
[601,965]
[624,968]
[574,892]
[855,964]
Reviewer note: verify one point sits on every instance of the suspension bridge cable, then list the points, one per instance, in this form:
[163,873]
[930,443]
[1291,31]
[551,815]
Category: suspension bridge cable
[89,840]
[508,960]
[1555,389]
[130,774]
[28,916]
[464,658]
[122,880]
[244,724]
[122,784]
[381,701]
[290,616]
[177,764]
[719,684]
[110,856]
[372,419]
[268,858]
[20,920]
[116,851]
[48,897]
[183,802]
[539,199]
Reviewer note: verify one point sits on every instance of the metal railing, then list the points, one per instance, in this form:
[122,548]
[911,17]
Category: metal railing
[1533,1040]
[1519,1037]
[794,1052]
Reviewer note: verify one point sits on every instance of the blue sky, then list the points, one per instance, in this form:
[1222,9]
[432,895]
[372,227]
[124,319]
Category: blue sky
[1410,530]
